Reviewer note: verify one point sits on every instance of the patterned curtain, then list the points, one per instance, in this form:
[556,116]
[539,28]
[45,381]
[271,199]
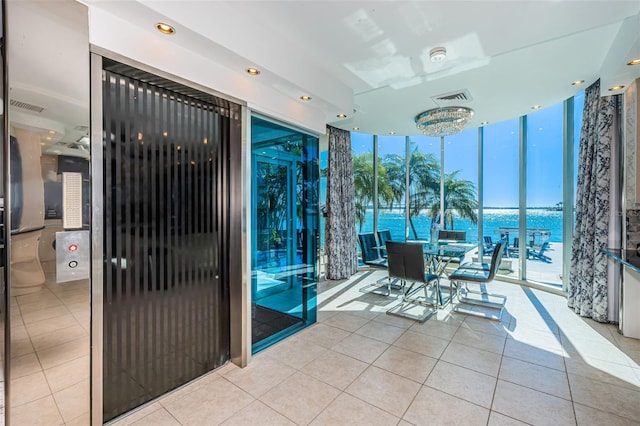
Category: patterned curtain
[340,224]
[588,289]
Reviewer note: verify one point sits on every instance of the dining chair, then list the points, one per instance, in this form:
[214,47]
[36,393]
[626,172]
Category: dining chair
[479,274]
[383,236]
[370,252]
[407,264]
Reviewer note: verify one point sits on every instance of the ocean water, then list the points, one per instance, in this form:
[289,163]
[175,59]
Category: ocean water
[492,220]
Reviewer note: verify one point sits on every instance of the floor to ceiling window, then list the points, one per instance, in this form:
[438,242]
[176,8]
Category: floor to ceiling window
[285,221]
[523,186]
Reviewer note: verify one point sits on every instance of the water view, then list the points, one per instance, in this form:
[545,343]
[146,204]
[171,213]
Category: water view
[494,219]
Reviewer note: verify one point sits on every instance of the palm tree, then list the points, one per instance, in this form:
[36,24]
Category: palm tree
[363,184]
[459,197]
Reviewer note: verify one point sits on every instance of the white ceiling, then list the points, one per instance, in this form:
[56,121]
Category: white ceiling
[509,55]
[369,59]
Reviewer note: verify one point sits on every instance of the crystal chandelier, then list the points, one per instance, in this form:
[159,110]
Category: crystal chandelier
[443,121]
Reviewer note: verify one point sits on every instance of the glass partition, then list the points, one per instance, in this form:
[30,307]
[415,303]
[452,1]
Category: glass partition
[49,205]
[544,195]
[362,146]
[285,221]
[391,186]
[500,174]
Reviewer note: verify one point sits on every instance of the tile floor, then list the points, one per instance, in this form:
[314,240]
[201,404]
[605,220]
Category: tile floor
[541,364]
[50,364]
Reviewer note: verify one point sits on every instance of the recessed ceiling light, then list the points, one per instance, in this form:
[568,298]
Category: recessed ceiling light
[577,82]
[165,28]
[437,54]
[356,128]
[536,107]
[392,132]
[635,61]
[341,115]
[253,71]
[305,98]
[614,88]
[52,132]
[484,123]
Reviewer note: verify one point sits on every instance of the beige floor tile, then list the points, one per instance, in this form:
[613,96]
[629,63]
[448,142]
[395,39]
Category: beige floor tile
[472,358]
[257,413]
[63,335]
[73,401]
[604,371]
[63,353]
[159,417]
[208,405]
[412,365]
[379,331]
[497,419]
[51,325]
[587,416]
[464,383]
[83,420]
[360,347]
[42,412]
[346,321]
[394,320]
[347,409]
[532,354]
[435,328]
[606,397]
[365,310]
[21,347]
[484,326]
[385,390]
[432,407]
[25,365]
[262,374]
[138,414]
[595,348]
[68,374]
[480,340]
[29,388]
[324,314]
[531,406]
[335,369]
[537,338]
[18,332]
[421,343]
[323,335]
[535,376]
[300,398]
[295,352]
[44,314]
[50,302]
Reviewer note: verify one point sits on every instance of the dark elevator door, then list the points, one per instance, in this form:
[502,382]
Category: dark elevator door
[166,292]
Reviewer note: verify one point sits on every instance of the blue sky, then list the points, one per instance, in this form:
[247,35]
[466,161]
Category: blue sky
[501,155]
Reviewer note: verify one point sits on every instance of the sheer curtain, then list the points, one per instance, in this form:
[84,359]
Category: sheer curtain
[340,224]
[588,288]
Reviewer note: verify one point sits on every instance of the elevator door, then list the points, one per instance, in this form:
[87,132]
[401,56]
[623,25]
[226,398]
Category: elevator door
[166,296]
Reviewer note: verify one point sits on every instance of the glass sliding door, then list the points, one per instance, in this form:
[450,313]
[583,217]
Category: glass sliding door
[166,236]
[285,217]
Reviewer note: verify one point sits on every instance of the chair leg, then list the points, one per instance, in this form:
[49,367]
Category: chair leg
[497,306]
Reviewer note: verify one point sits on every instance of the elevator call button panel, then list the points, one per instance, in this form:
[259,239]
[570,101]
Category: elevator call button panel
[72,256]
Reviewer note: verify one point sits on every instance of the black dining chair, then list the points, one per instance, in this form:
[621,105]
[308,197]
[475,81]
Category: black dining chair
[370,252]
[480,274]
[407,264]
[383,236]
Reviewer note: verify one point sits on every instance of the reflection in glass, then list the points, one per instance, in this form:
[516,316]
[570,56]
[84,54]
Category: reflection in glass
[285,235]
[48,116]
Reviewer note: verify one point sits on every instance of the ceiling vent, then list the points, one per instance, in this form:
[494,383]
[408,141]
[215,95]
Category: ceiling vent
[24,105]
[453,98]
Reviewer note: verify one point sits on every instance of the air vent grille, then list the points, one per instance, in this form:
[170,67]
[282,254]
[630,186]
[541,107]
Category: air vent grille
[453,98]
[25,105]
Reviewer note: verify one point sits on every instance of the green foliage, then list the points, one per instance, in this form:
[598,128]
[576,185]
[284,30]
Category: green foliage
[424,189]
